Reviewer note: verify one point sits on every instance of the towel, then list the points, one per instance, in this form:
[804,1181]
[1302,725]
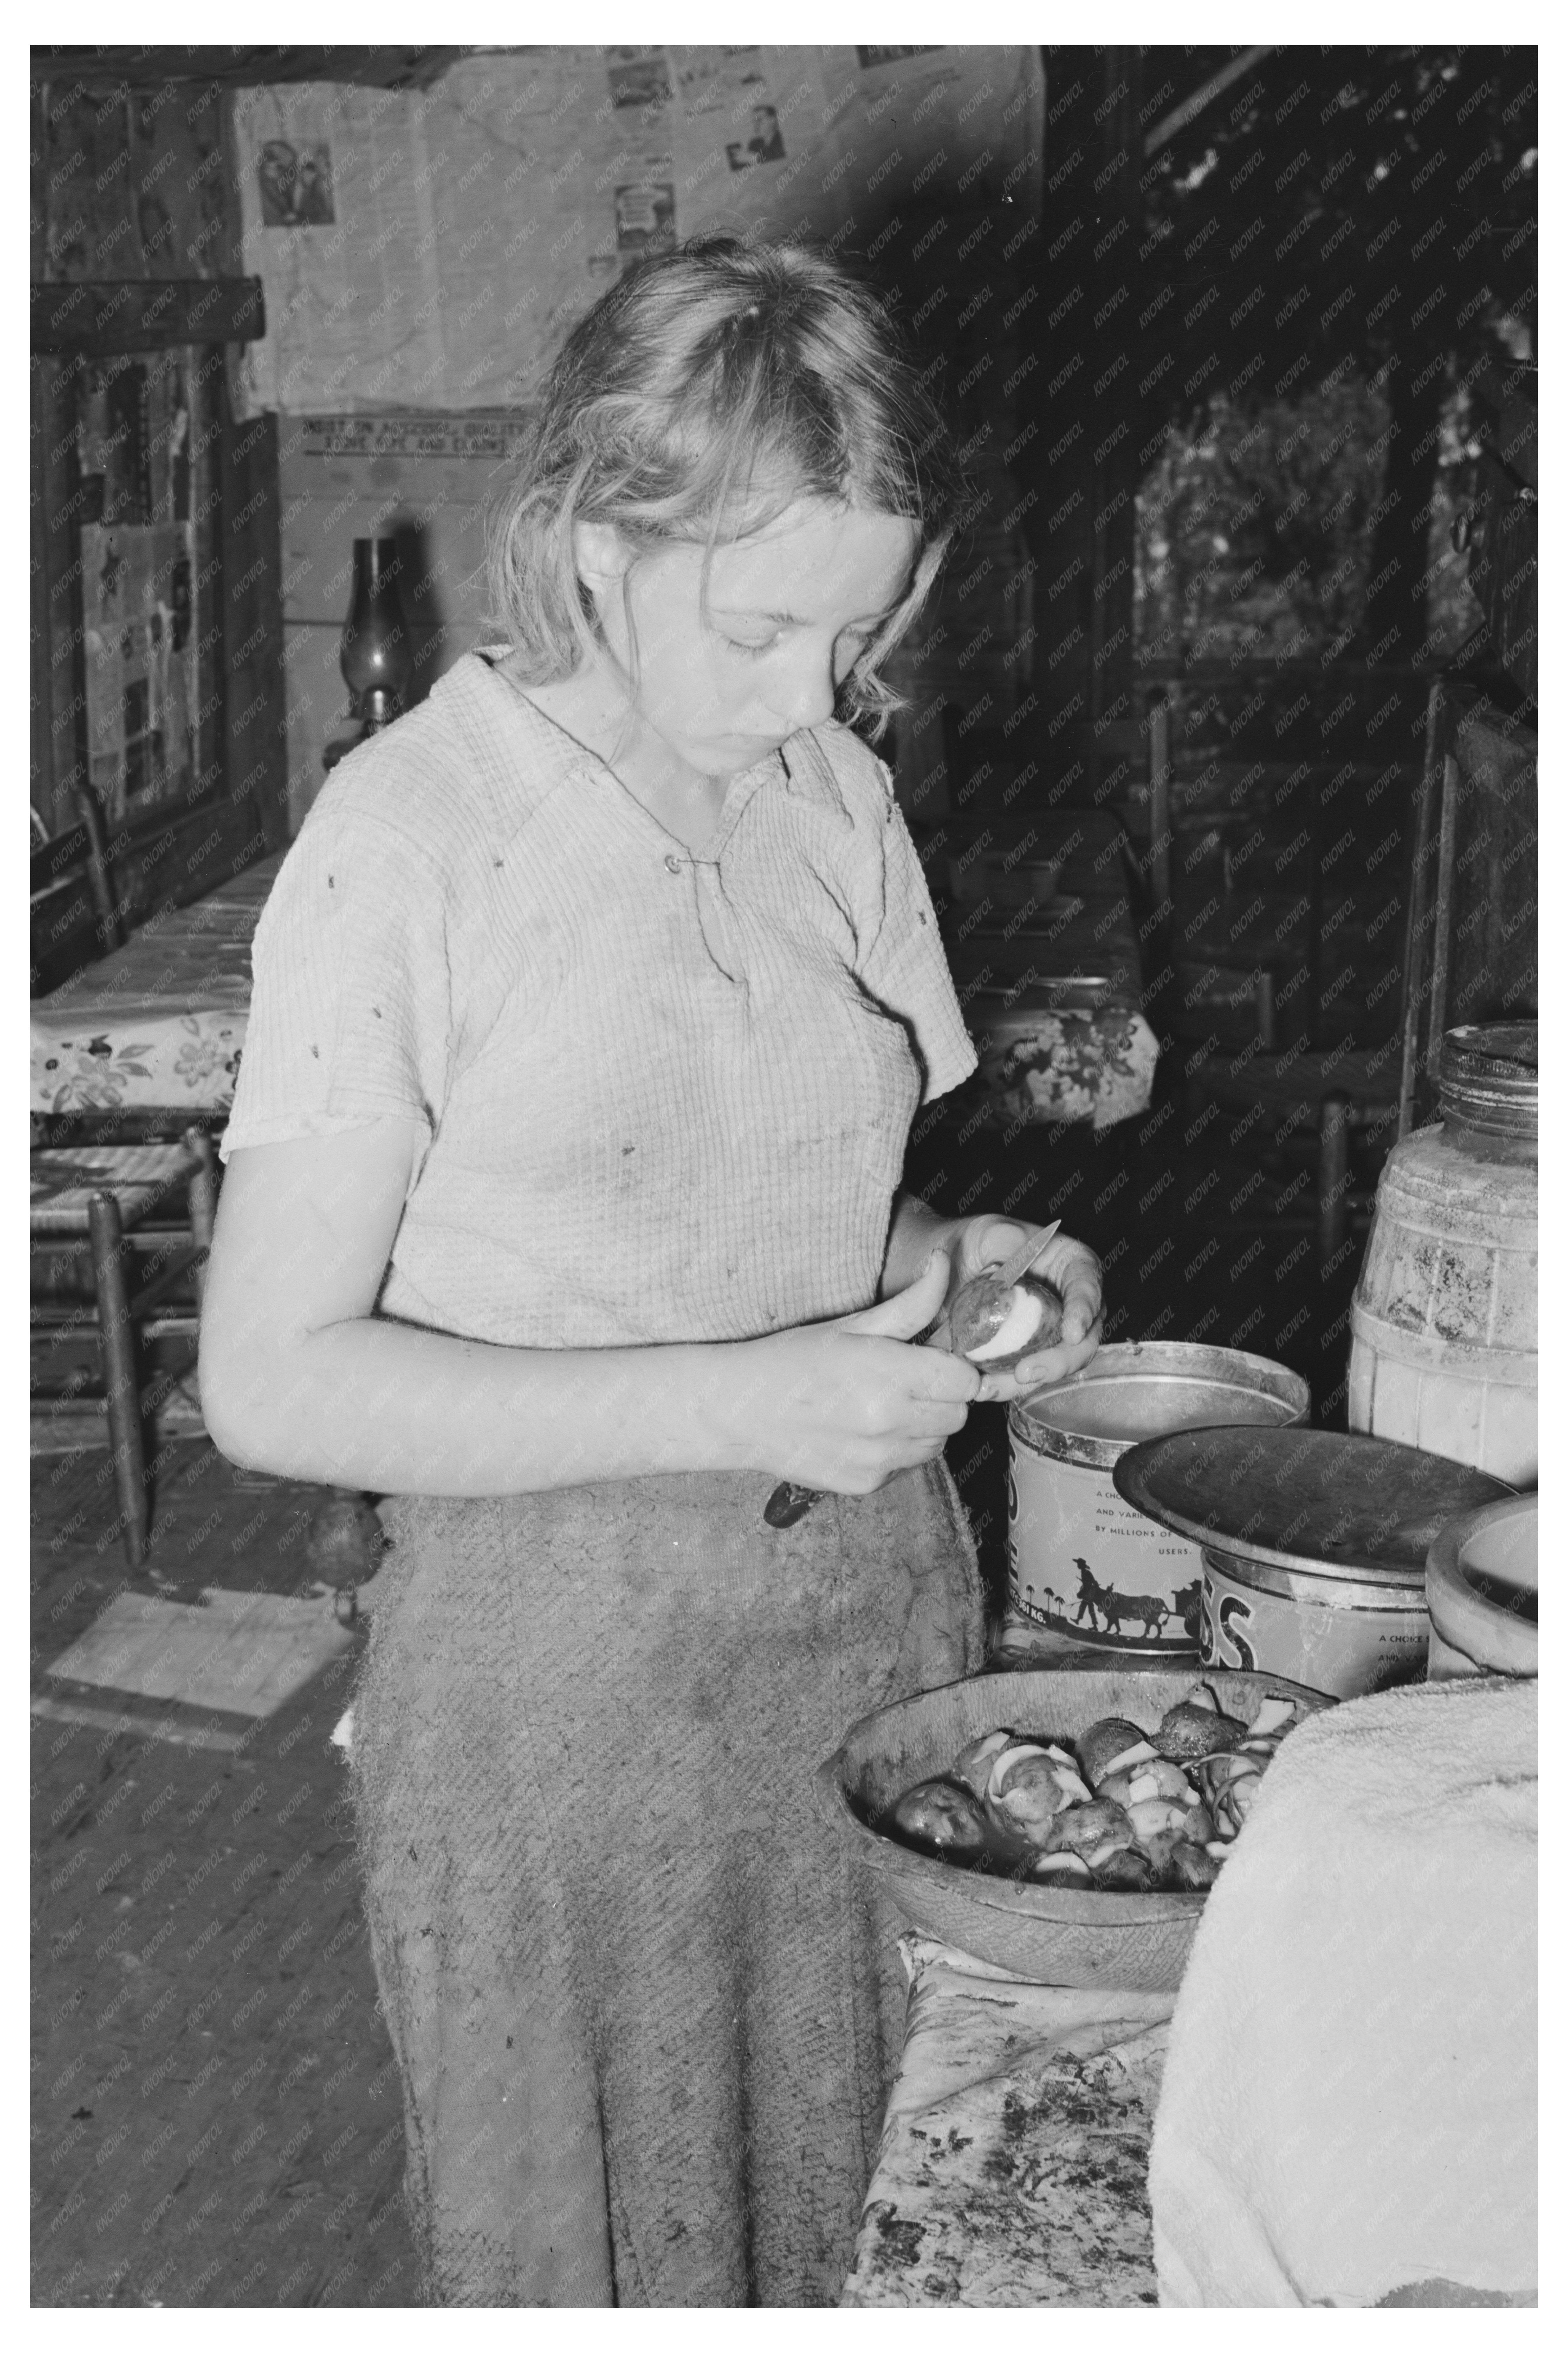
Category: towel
[1348,2109]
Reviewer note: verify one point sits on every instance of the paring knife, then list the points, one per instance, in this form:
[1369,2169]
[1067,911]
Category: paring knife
[788,1502]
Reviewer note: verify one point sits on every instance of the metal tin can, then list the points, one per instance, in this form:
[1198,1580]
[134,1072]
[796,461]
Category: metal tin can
[1314,1545]
[1081,1561]
[1338,1634]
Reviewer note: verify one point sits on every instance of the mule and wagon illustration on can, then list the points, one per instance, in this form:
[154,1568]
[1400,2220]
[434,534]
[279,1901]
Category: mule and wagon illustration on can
[1099,1608]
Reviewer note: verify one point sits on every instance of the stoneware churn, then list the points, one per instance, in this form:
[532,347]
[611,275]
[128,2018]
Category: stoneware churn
[1443,1325]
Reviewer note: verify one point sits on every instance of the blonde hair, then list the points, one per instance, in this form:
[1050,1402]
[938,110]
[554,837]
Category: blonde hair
[705,393]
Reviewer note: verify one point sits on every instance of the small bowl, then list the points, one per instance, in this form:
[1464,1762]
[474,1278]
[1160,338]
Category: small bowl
[1047,1936]
[1481,1579]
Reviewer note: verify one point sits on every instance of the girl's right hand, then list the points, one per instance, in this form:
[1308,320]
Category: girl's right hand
[844,1405]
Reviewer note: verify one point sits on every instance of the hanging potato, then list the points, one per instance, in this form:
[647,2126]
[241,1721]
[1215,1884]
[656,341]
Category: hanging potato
[998,1324]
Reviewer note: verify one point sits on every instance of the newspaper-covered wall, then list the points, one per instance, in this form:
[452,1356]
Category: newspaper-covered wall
[429,249]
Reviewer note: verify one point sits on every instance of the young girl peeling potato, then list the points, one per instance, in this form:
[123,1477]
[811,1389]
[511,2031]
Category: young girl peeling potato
[592,1009]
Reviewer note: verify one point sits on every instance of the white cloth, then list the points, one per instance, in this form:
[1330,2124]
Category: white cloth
[1348,2108]
[665,1094]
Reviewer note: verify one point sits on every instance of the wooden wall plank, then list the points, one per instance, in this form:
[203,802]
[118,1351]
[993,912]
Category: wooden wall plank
[62,566]
[255,726]
[37,180]
[41,767]
[206,385]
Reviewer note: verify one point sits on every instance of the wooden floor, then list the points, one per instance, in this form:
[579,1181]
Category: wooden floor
[215,2117]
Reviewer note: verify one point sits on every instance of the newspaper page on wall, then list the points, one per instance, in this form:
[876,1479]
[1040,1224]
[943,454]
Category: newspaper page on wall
[430,249]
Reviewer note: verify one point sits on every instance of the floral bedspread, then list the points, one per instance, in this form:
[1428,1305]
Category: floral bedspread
[1015,2155]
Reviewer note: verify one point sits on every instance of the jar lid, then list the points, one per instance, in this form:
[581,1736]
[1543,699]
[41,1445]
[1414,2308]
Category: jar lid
[1313,1500]
[1487,1077]
[1000,1015]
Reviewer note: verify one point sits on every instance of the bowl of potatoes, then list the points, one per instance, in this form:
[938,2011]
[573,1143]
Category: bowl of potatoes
[1064,1824]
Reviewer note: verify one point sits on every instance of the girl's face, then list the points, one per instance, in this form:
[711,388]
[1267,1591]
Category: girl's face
[723,680]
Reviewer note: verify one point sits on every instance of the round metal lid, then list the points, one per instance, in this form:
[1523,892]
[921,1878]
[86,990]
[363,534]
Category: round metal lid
[1138,1390]
[1487,1077]
[1312,1500]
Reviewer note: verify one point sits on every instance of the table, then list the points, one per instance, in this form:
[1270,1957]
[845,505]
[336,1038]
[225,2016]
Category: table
[1015,2155]
[160,1022]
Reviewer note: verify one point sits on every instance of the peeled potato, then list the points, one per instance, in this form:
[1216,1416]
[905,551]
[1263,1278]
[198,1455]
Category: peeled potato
[1153,1778]
[972,1763]
[1104,1743]
[998,1324]
[1025,1799]
[1079,1830]
[1154,1815]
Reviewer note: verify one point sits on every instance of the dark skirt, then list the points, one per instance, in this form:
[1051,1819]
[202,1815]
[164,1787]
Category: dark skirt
[645,2009]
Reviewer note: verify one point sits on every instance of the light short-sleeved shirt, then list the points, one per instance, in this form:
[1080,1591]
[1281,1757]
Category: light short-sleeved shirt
[661,1096]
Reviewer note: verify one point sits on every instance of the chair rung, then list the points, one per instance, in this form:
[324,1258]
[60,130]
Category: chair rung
[56,1324]
[179,1268]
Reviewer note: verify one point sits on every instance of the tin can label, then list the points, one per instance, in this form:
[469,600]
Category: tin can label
[1082,1562]
[1330,1646]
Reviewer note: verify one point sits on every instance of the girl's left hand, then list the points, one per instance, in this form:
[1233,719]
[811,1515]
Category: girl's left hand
[1070,1267]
